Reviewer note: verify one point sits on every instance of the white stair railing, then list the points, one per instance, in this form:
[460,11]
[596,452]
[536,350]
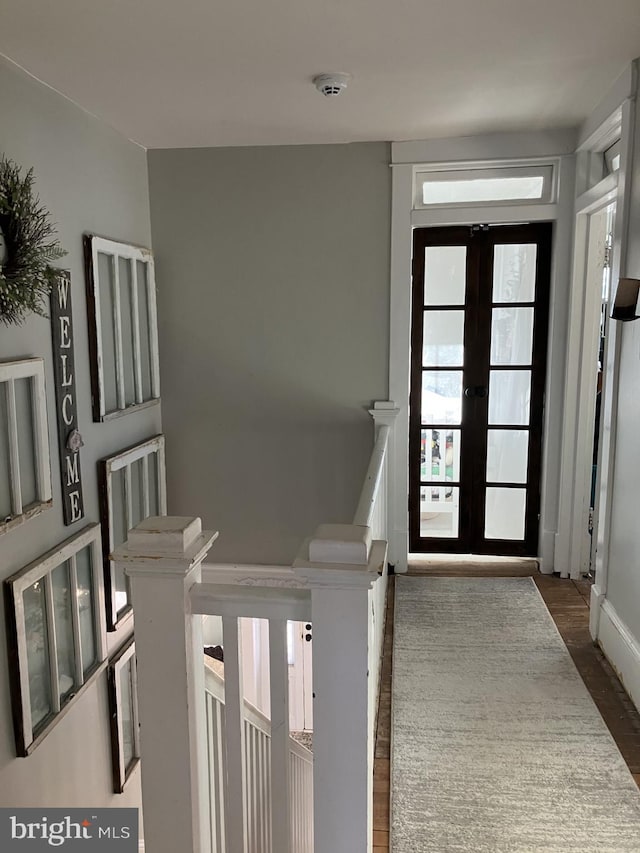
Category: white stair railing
[335,583]
[256,780]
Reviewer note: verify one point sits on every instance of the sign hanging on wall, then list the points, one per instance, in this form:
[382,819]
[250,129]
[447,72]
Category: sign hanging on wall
[69,439]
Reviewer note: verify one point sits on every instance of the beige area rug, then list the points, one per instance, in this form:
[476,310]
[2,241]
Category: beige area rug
[497,746]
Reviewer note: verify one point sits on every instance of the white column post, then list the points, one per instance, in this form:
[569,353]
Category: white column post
[340,564]
[162,558]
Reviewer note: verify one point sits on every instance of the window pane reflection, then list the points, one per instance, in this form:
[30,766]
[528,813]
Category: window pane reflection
[443,339]
[85,608]
[514,272]
[126,693]
[507,455]
[64,628]
[37,652]
[440,454]
[441,396]
[439,511]
[445,270]
[511,336]
[509,397]
[505,513]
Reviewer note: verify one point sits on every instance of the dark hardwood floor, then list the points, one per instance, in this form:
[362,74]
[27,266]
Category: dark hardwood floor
[568,603]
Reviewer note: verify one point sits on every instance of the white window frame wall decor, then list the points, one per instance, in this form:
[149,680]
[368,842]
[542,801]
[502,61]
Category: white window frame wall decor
[28,735]
[146,452]
[121,771]
[10,372]
[97,297]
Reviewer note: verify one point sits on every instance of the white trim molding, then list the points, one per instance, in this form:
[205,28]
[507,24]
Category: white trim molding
[621,648]
[616,118]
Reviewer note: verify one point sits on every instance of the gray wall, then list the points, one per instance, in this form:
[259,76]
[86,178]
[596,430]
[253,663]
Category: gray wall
[90,179]
[273,277]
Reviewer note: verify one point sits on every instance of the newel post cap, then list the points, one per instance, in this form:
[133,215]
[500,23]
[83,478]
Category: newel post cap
[384,412]
[347,544]
[164,545]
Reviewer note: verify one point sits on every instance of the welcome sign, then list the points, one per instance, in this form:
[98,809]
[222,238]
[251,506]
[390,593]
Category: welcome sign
[38,830]
[69,439]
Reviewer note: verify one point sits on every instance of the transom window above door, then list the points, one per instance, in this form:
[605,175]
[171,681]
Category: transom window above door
[483,186]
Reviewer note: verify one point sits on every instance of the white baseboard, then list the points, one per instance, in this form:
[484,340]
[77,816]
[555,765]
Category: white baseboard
[596,600]
[547,551]
[621,648]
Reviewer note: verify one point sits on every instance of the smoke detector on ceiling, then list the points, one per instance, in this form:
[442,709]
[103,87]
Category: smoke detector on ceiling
[331,85]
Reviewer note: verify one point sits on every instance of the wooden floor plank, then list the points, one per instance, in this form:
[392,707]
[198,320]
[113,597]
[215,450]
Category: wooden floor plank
[568,603]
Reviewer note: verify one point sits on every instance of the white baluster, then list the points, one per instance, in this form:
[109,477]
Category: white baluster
[280,760]
[235,747]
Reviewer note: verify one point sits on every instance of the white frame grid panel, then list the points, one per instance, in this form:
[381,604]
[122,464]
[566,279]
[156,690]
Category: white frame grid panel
[11,371]
[122,773]
[28,736]
[123,461]
[133,255]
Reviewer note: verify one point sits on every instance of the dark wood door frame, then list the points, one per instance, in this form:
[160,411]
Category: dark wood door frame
[479,241]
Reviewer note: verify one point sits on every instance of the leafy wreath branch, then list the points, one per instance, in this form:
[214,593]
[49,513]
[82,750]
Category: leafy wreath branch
[26,277]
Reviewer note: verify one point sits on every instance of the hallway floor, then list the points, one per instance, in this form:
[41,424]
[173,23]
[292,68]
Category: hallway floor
[568,604]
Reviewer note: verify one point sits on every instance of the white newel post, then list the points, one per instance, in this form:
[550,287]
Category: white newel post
[162,559]
[340,564]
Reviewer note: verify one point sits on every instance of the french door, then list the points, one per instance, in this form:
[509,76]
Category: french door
[478,359]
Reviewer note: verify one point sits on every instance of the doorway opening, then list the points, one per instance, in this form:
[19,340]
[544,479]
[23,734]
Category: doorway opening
[478,363]
[598,277]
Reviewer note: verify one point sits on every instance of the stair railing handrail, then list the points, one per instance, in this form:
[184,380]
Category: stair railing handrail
[373,479]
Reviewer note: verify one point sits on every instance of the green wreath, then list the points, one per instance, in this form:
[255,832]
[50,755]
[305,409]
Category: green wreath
[30,242]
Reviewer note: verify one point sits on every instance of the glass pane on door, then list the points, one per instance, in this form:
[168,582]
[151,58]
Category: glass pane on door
[511,336]
[440,454]
[514,272]
[505,513]
[507,455]
[439,511]
[441,396]
[509,392]
[443,339]
[445,270]
[477,380]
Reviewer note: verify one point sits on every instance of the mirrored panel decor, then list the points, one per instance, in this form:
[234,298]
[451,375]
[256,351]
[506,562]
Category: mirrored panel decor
[25,473]
[56,634]
[132,487]
[123,713]
[123,328]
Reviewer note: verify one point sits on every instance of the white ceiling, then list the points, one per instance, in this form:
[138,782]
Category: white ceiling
[177,73]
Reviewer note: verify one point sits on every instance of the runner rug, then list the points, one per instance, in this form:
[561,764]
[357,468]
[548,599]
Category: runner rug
[497,746]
